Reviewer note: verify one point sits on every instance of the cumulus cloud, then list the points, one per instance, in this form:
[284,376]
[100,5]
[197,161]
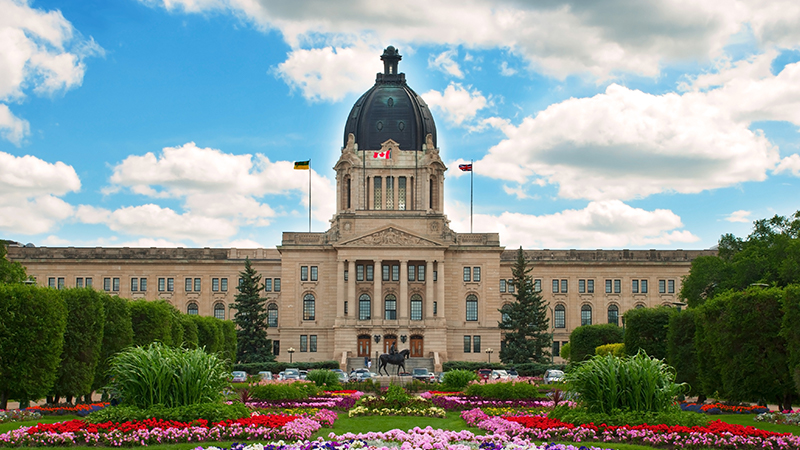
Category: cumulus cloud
[602,224]
[790,164]
[505,70]
[29,193]
[457,103]
[739,216]
[40,51]
[445,62]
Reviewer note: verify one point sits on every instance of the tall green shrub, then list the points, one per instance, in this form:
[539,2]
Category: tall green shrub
[32,323]
[790,329]
[617,350]
[585,339]
[209,333]
[229,341]
[117,335]
[151,321]
[176,326]
[83,340]
[646,329]
[190,338]
[681,350]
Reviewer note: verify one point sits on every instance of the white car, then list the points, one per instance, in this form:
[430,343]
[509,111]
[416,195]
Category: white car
[499,375]
[238,377]
[553,376]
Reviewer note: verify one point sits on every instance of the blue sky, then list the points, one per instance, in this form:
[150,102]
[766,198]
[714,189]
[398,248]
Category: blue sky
[175,122]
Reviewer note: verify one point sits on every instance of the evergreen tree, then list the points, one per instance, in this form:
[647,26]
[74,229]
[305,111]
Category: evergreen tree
[251,319]
[527,337]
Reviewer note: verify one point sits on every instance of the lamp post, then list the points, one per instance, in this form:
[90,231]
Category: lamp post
[291,352]
[489,352]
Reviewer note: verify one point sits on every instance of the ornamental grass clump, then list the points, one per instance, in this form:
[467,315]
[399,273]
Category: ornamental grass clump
[161,375]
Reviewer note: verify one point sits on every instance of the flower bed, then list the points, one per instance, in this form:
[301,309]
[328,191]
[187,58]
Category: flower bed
[341,400]
[718,435]
[18,415]
[430,411]
[719,408]
[82,409]
[783,418]
[461,402]
[153,431]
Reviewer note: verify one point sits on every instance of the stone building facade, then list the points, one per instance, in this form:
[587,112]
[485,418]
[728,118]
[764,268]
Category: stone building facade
[389,270]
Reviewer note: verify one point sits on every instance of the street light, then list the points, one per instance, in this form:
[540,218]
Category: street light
[489,352]
[291,352]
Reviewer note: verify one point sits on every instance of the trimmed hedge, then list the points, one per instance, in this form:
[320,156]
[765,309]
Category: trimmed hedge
[277,367]
[281,391]
[585,339]
[524,370]
[212,412]
[504,391]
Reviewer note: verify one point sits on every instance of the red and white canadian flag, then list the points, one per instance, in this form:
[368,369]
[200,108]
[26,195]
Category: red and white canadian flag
[381,155]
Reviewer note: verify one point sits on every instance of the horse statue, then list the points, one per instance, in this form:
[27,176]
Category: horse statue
[398,359]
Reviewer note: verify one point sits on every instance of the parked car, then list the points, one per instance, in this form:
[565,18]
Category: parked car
[360,375]
[280,376]
[238,377]
[422,374]
[483,374]
[291,374]
[343,378]
[303,374]
[553,376]
[499,375]
[265,375]
[440,377]
[513,374]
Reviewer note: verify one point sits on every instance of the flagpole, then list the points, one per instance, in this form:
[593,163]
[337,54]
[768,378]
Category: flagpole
[470,194]
[309,195]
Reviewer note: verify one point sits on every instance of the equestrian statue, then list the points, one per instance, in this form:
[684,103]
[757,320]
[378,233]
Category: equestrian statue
[398,359]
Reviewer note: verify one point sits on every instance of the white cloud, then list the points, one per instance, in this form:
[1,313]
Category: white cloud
[505,70]
[790,164]
[602,224]
[625,144]
[445,62]
[739,216]
[38,50]
[457,103]
[39,214]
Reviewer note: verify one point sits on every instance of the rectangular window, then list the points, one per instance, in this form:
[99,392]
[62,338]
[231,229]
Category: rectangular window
[312,343]
[377,194]
[223,284]
[537,285]
[106,284]
[472,310]
[416,310]
[188,285]
[401,193]
[364,309]
[608,286]
[277,284]
[79,282]
[564,284]
[215,285]
[370,272]
[467,274]
[345,274]
[385,269]
[421,272]
[590,286]
[115,284]
[644,286]
[467,344]
[134,284]
[476,344]
[671,286]
[390,310]
[88,282]
[314,273]
[197,284]
[502,285]
[476,274]
[162,284]
[635,286]
[51,282]
[142,284]
[435,308]
[435,275]
[556,348]
[662,286]
[560,319]
[345,307]
[268,284]
[61,282]
[303,343]
[555,286]
[241,281]
[360,272]
[395,273]
[304,273]
[581,286]
[170,284]
[389,192]
[617,286]
[412,271]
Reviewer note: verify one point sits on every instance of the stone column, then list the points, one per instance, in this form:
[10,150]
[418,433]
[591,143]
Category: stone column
[377,297]
[403,300]
[340,298]
[351,287]
[440,288]
[429,289]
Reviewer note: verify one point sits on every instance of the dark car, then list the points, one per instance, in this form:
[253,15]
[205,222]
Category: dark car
[484,374]
[422,374]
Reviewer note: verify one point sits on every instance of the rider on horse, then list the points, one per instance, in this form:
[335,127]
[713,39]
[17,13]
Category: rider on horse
[393,349]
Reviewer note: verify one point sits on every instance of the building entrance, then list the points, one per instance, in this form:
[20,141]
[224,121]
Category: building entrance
[364,346]
[416,347]
[387,343]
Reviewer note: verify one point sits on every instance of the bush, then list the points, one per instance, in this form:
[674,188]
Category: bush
[638,383]
[672,416]
[147,376]
[117,335]
[152,322]
[646,329]
[504,391]
[281,391]
[213,412]
[458,379]
[585,339]
[617,350]
[323,377]
[277,367]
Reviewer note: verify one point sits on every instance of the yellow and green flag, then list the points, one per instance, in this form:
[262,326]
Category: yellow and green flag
[301,165]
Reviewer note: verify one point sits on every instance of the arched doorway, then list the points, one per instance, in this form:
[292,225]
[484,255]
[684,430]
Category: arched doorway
[364,345]
[417,350]
[388,340]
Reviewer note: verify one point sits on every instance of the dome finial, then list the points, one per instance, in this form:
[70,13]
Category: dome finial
[390,59]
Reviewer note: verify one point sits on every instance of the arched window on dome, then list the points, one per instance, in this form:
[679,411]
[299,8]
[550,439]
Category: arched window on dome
[192,309]
[364,307]
[219,311]
[272,315]
[309,307]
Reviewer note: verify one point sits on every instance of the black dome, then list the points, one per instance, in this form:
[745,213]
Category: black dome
[390,110]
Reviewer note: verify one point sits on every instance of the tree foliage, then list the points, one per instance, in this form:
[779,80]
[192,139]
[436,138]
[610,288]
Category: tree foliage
[32,326]
[527,337]
[117,335]
[585,339]
[10,271]
[209,333]
[83,338]
[646,329]
[681,351]
[790,330]
[152,321]
[251,318]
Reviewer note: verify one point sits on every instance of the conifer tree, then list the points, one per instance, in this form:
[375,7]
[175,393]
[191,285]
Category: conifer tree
[251,319]
[527,337]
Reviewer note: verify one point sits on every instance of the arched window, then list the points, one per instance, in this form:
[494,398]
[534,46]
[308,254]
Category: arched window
[613,314]
[309,307]
[586,315]
[364,307]
[272,315]
[219,311]
[192,309]
[416,307]
[560,318]
[504,311]
[390,307]
[472,308]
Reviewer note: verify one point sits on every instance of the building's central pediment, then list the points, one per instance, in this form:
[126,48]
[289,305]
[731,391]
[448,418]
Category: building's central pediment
[390,236]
